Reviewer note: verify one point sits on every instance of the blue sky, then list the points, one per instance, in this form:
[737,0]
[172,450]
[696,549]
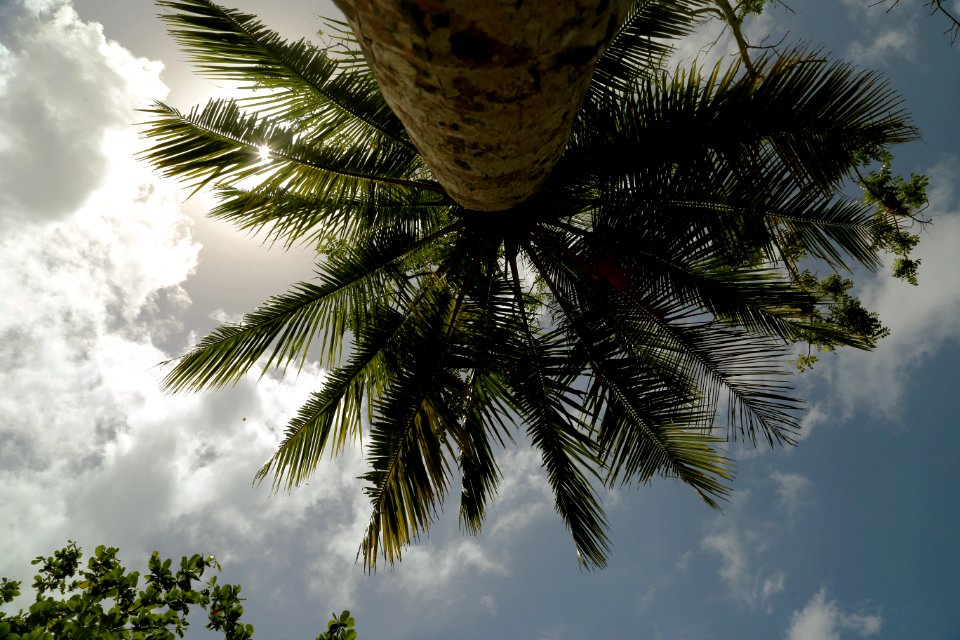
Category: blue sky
[108,271]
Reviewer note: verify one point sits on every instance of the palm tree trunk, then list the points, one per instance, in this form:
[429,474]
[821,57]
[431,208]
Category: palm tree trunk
[487,89]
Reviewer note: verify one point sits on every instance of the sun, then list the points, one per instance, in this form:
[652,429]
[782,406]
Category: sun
[264,153]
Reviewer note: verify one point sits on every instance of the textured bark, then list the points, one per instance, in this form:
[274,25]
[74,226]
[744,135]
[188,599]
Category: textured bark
[487,89]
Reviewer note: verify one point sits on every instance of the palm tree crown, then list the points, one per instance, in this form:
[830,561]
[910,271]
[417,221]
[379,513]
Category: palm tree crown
[652,278]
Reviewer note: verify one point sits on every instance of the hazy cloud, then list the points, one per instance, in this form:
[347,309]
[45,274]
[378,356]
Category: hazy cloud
[427,572]
[488,602]
[885,45]
[792,491]
[740,541]
[738,550]
[821,619]
[888,32]
[524,494]
[712,42]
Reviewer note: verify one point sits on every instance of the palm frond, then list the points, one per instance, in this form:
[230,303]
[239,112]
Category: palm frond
[290,218]
[409,472]
[744,210]
[661,400]
[478,347]
[641,45]
[287,326]
[755,212]
[335,412]
[541,391]
[220,143]
[296,80]
[659,298]
[815,116]
[480,475]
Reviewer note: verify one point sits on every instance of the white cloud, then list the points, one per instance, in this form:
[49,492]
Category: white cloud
[772,585]
[524,495]
[426,573]
[821,619]
[95,254]
[81,292]
[554,632]
[64,90]
[815,416]
[711,42]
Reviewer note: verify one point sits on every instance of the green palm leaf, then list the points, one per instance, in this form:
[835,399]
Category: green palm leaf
[813,115]
[541,392]
[291,218]
[665,421]
[298,80]
[483,418]
[660,317]
[285,327]
[484,325]
[221,143]
[642,44]
[337,410]
[408,469]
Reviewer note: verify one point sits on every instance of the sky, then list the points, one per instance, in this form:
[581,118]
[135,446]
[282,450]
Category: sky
[108,270]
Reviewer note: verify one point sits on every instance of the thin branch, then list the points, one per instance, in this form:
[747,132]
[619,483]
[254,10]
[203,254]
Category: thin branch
[730,17]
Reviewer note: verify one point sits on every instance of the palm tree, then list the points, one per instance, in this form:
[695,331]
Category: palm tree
[652,277]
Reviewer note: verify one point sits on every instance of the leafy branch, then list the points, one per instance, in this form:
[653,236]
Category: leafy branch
[898,203]
[103,602]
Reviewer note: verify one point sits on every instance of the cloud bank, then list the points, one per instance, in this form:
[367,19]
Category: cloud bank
[96,251]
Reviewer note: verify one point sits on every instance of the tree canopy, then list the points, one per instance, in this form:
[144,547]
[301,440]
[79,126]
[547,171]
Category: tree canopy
[103,600]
